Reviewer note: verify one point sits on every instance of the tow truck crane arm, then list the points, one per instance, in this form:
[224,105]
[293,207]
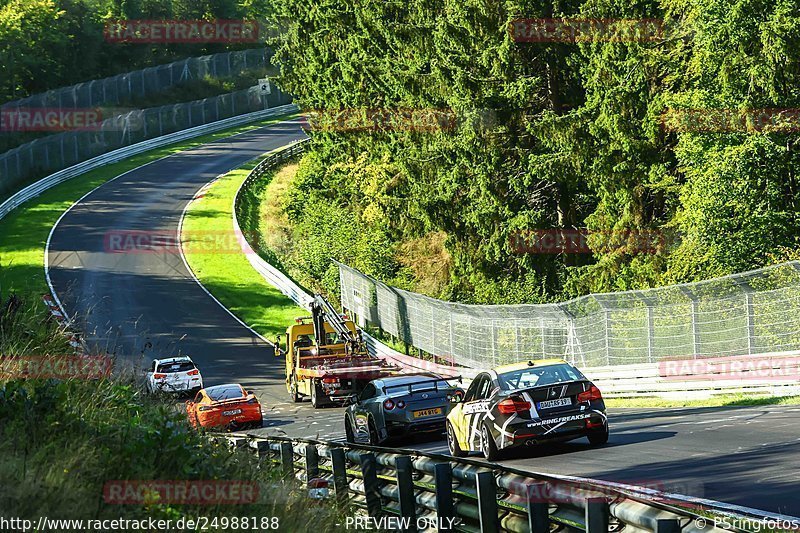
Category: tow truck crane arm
[321,312]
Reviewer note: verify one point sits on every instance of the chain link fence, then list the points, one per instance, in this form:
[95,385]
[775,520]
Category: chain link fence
[750,313]
[55,152]
[122,88]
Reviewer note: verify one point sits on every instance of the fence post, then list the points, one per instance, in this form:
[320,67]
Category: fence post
[340,485]
[312,462]
[443,483]
[538,509]
[596,515]
[369,471]
[287,459]
[487,502]
[405,490]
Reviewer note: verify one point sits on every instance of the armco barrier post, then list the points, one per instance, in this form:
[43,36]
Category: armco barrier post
[405,489]
[443,483]
[487,501]
[369,471]
[312,462]
[287,460]
[538,509]
[339,467]
[596,515]
[668,525]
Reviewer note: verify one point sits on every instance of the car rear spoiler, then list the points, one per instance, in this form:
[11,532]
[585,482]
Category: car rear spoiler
[434,381]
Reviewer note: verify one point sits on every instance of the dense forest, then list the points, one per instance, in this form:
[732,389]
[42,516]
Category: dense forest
[582,131]
[46,44]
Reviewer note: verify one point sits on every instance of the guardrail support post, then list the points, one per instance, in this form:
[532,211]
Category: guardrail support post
[340,485]
[443,482]
[261,448]
[287,460]
[312,462]
[487,501]
[405,490]
[369,471]
[596,515]
[538,508]
[668,525]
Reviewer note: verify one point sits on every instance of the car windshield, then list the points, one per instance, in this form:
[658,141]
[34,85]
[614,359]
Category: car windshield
[534,376]
[180,366]
[225,392]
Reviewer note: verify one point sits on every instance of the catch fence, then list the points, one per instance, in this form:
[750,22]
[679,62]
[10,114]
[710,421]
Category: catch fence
[744,314]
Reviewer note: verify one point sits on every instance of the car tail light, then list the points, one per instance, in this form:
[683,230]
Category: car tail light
[513,405]
[330,380]
[388,405]
[159,376]
[592,394]
[401,404]
[193,372]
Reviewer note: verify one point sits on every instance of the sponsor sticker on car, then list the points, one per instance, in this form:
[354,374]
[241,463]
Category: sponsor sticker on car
[232,412]
[427,412]
[549,404]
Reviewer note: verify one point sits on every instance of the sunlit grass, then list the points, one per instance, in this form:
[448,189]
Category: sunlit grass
[229,276]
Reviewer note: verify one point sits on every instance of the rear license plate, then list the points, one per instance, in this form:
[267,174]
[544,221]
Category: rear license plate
[232,412]
[549,404]
[427,412]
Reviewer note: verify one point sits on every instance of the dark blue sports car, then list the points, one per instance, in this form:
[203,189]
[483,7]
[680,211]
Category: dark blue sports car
[398,406]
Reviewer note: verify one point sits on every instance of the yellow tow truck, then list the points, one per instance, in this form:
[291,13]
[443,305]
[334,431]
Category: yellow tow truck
[326,357]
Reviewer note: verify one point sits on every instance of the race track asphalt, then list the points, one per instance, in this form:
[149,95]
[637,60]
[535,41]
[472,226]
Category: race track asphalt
[138,306]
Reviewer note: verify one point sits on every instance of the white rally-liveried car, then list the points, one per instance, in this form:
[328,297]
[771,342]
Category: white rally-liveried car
[175,374]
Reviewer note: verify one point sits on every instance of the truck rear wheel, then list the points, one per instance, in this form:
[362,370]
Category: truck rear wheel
[293,390]
[318,398]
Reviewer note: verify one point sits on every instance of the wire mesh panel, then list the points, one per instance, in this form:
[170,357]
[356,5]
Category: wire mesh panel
[751,313]
[141,83]
[55,152]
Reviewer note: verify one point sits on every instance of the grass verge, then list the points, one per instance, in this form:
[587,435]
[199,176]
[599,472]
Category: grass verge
[23,233]
[722,400]
[70,445]
[229,276]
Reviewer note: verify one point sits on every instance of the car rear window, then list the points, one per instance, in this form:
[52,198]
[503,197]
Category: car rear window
[183,366]
[224,393]
[534,376]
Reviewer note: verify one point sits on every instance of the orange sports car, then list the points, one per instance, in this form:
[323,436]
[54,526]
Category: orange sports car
[224,406]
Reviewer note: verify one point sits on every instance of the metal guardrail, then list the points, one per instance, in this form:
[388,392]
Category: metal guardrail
[293,291]
[61,176]
[437,490]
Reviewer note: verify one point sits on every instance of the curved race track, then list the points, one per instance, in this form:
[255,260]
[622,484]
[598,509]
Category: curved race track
[142,305]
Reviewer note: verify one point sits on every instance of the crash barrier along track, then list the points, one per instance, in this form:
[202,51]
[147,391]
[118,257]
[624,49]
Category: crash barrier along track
[435,492]
[60,150]
[289,288]
[51,181]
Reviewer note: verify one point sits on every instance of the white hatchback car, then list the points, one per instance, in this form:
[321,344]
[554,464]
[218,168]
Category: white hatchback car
[176,374]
